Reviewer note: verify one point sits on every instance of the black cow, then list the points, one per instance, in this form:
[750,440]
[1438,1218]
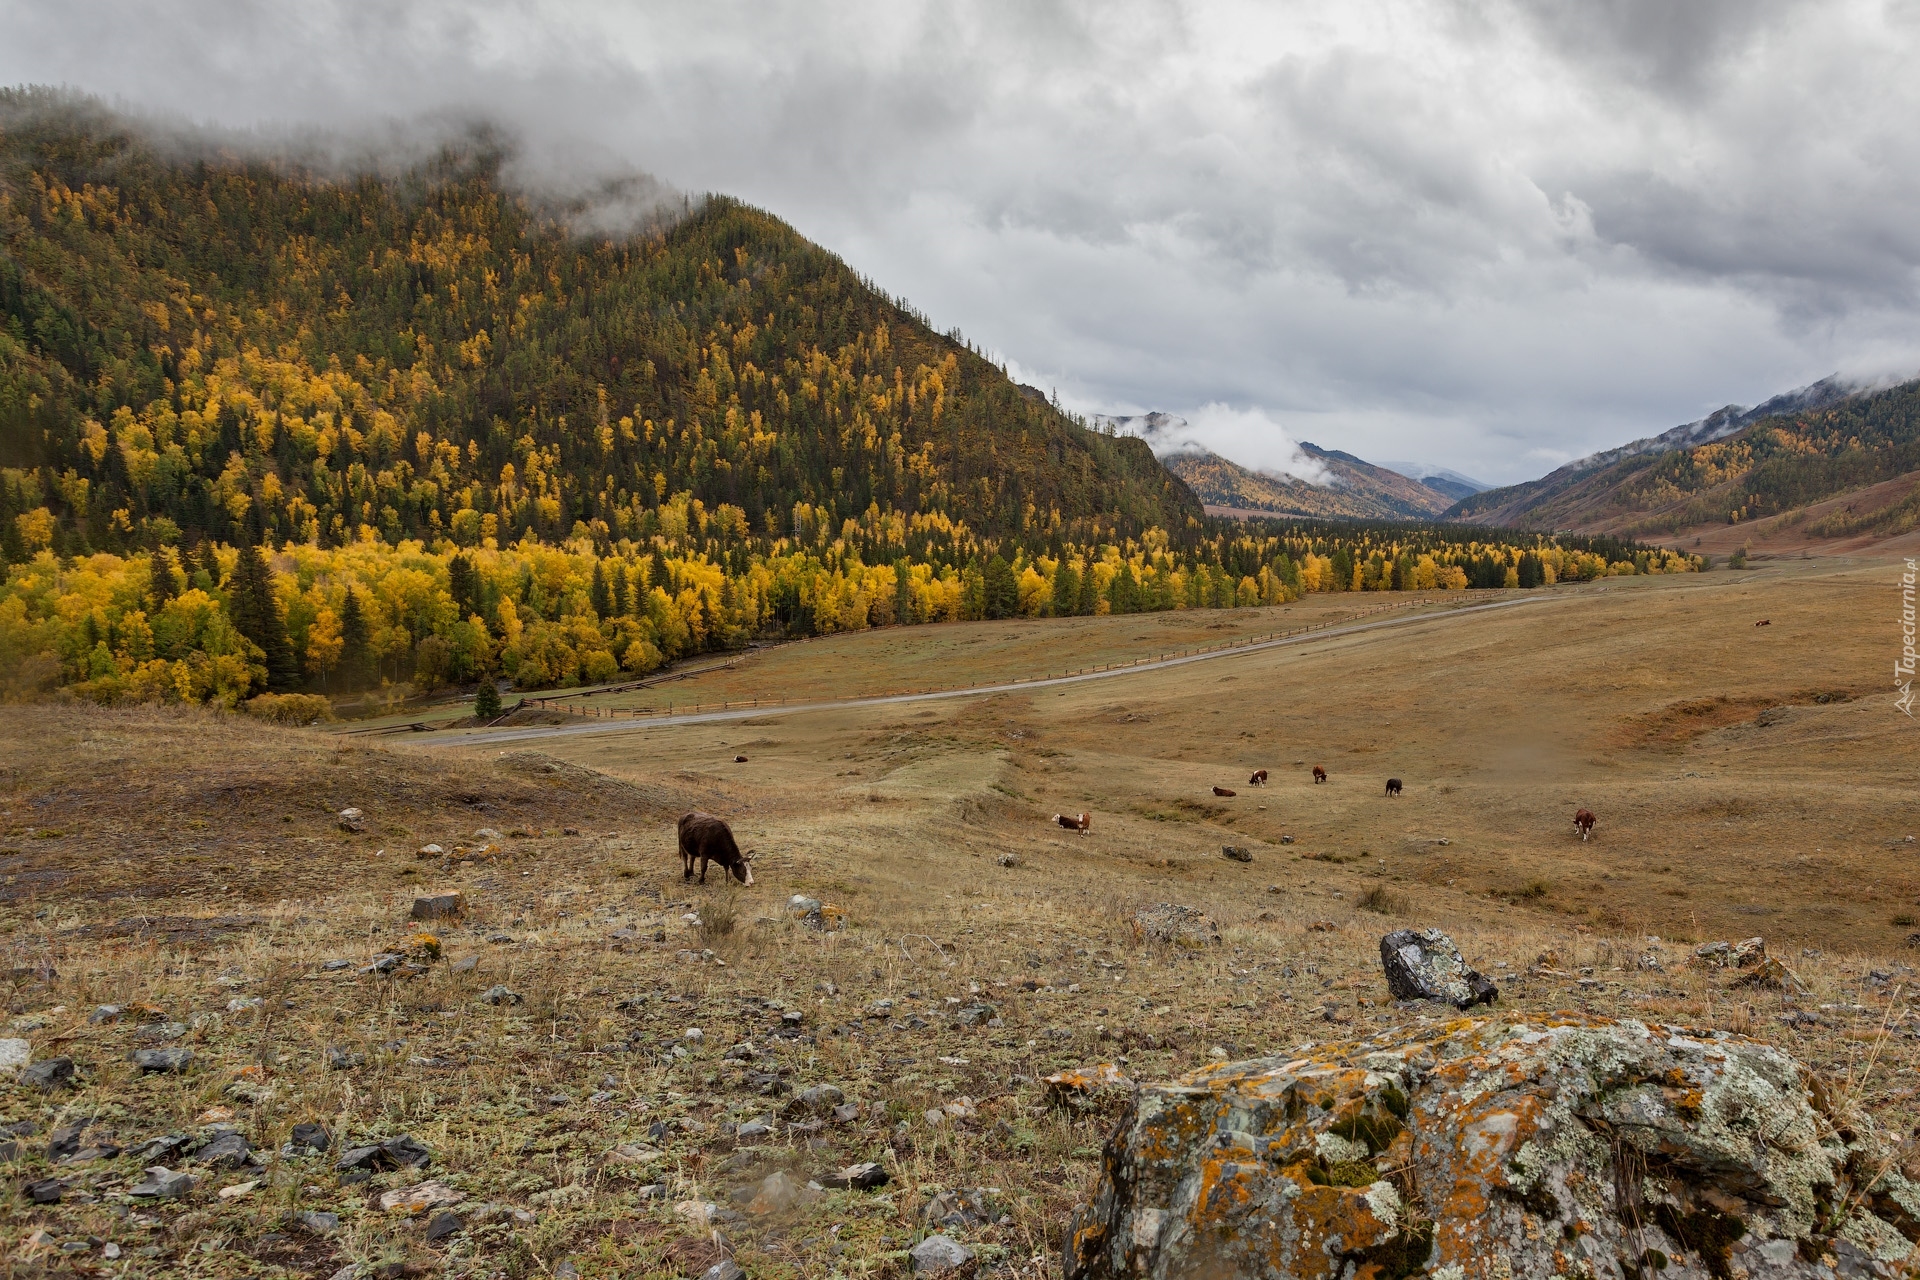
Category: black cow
[710,839]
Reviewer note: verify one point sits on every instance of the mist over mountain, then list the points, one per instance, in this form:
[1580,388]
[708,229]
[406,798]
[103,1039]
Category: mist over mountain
[1312,482]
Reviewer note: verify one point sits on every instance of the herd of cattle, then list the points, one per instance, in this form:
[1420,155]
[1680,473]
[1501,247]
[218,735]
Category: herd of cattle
[705,838]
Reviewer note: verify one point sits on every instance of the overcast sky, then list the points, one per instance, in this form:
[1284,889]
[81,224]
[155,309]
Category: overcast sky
[1488,235]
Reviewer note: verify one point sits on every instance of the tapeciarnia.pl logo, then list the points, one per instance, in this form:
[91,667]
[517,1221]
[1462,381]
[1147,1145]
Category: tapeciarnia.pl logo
[1903,666]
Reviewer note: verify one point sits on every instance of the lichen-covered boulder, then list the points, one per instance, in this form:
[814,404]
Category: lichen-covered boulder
[1423,964]
[1564,1146]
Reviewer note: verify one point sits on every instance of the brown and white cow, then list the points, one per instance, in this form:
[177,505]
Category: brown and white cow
[1583,823]
[1081,822]
[1259,778]
[1319,774]
[709,839]
[1393,786]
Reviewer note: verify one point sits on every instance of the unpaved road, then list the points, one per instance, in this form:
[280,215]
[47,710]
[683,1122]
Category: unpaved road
[489,737]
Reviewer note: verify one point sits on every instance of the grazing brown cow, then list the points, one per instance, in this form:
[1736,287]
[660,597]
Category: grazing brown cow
[1764,622]
[739,759]
[1259,778]
[1222,791]
[1393,786]
[710,839]
[1319,774]
[1583,823]
[1081,822]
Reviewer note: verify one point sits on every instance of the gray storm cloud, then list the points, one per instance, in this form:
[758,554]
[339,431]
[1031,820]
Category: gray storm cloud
[1487,234]
[592,191]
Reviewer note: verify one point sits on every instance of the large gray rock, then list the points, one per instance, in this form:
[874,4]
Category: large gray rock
[1423,964]
[403,1152]
[940,1255]
[161,1183]
[1570,1146]
[47,1073]
[439,906]
[168,1060]
[226,1150]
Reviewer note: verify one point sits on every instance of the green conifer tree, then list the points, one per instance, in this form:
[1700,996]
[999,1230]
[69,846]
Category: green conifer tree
[356,647]
[463,584]
[160,588]
[256,615]
[1066,589]
[599,596]
[902,592]
[1002,591]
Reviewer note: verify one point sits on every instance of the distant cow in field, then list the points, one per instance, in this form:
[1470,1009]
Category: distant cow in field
[710,839]
[1319,774]
[1259,778]
[1764,622]
[1222,791]
[1583,823]
[1081,822]
[1393,786]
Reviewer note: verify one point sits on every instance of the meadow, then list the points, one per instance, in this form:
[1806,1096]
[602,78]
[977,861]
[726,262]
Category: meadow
[181,864]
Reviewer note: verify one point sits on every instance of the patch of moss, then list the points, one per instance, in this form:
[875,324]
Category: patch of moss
[1348,1173]
[1709,1234]
[1401,1256]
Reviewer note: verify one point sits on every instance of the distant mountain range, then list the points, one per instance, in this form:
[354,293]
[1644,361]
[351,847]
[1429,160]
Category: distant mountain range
[1514,504]
[1835,462]
[1336,485]
[1451,483]
[1830,461]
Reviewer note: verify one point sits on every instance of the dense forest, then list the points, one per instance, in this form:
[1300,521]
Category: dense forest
[1773,466]
[268,428]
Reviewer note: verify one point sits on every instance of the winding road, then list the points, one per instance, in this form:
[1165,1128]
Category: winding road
[476,738]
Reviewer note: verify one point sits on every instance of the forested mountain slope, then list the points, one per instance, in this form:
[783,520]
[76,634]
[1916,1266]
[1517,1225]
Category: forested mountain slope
[1773,466]
[240,350]
[265,429]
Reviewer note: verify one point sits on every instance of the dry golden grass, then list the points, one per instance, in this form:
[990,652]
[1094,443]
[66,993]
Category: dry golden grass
[905,817]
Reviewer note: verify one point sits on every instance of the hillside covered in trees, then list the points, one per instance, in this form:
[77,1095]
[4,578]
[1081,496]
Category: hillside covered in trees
[268,429]
[1772,467]
[238,350]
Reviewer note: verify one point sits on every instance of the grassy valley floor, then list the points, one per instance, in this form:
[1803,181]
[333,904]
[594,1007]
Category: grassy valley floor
[192,870]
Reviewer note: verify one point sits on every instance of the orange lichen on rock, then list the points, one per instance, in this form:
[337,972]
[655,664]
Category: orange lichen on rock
[1567,1146]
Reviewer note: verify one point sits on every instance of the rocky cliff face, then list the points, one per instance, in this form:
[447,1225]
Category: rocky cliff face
[1482,1148]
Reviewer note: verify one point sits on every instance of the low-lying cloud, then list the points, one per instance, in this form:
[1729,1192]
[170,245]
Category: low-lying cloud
[593,191]
[1246,436]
